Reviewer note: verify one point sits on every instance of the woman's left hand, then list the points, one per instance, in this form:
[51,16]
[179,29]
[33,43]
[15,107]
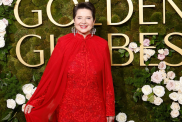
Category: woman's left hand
[110,118]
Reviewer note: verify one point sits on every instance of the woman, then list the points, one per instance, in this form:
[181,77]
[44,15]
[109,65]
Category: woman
[77,84]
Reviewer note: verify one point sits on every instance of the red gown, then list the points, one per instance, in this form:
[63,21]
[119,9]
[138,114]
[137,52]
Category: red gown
[83,99]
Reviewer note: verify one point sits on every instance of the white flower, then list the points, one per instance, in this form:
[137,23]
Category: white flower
[1,2]
[166,80]
[170,85]
[75,1]
[180,99]
[171,75]
[166,52]
[180,90]
[136,49]
[2,42]
[133,45]
[157,100]
[174,96]
[180,80]
[161,51]
[5,21]
[162,65]
[151,52]
[2,26]
[175,106]
[131,121]
[145,58]
[2,34]
[86,0]
[159,91]
[33,90]
[144,97]
[146,89]
[28,88]
[23,107]
[7,2]
[11,103]
[28,96]
[20,99]
[121,117]
[174,113]
[177,85]
[156,77]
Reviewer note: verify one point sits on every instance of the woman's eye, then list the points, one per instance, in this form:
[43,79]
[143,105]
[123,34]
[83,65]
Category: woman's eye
[88,18]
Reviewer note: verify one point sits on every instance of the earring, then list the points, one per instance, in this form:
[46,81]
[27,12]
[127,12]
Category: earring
[73,29]
[92,31]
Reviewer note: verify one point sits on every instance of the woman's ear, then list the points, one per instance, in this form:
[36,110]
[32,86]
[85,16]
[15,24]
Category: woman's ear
[94,21]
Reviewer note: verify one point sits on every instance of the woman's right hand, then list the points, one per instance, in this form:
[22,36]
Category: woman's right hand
[28,109]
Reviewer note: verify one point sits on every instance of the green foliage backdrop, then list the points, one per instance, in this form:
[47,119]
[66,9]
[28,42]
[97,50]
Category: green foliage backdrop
[62,13]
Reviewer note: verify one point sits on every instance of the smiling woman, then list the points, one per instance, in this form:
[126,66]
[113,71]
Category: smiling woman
[77,84]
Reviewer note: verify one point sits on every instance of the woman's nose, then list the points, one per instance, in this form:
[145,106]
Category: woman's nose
[83,21]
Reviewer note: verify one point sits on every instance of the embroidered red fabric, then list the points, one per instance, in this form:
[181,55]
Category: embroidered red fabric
[84,99]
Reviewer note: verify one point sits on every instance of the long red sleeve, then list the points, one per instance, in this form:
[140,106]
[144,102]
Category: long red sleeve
[110,98]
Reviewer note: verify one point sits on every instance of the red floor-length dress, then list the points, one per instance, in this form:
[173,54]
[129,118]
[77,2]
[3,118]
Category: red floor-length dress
[83,98]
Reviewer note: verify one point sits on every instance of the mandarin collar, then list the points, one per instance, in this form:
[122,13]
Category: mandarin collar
[82,37]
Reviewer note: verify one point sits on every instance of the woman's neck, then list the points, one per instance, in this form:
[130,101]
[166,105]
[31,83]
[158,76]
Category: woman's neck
[84,35]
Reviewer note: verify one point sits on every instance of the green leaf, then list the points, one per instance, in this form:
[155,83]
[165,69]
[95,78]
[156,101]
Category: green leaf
[151,97]
[152,41]
[170,53]
[7,116]
[135,98]
[122,54]
[153,70]
[147,62]
[127,54]
[121,50]
[34,78]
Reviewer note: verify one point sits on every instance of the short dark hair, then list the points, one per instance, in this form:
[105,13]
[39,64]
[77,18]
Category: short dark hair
[87,5]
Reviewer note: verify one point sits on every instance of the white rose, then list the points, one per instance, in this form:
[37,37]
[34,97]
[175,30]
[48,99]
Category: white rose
[166,52]
[5,21]
[20,99]
[28,88]
[170,85]
[174,96]
[177,85]
[166,80]
[145,51]
[144,97]
[175,106]
[171,75]
[7,2]
[161,51]
[28,96]
[11,103]
[1,2]
[121,117]
[133,45]
[131,121]
[162,65]
[180,90]
[2,42]
[159,91]
[2,34]
[33,90]
[23,107]
[2,26]
[136,49]
[180,99]
[151,52]
[158,101]
[180,80]
[174,113]
[145,57]
[75,1]
[146,89]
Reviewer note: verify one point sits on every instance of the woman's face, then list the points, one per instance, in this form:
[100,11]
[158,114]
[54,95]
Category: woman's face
[84,21]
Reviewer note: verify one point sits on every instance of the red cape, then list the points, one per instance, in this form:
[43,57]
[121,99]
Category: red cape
[55,74]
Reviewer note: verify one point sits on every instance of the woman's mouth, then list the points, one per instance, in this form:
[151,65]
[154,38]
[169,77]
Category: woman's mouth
[83,26]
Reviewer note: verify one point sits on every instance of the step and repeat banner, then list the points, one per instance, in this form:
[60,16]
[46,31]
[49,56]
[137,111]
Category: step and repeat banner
[145,42]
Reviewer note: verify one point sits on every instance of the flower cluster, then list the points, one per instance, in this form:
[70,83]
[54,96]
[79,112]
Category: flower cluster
[147,53]
[162,53]
[3,25]
[20,99]
[149,92]
[171,85]
[133,47]
[121,117]
[6,2]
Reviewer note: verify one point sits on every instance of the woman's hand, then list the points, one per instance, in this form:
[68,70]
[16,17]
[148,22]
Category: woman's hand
[110,118]
[28,109]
